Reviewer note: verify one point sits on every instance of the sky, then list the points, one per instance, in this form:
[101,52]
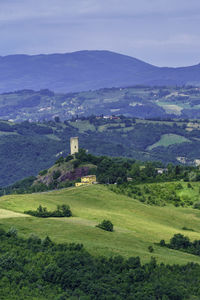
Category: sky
[160,32]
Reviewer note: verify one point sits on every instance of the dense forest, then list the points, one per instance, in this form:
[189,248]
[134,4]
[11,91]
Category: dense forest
[40,269]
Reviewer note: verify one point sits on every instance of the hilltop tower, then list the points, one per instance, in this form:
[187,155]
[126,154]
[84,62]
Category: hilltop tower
[74,145]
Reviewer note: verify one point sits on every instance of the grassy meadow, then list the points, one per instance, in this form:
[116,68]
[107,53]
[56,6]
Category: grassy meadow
[169,139]
[136,225]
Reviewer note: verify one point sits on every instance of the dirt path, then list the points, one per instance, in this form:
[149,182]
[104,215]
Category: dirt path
[5,214]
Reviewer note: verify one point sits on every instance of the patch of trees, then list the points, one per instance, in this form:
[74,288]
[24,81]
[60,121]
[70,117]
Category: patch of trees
[108,170]
[42,212]
[182,243]
[106,225]
[155,194]
[41,269]
[31,101]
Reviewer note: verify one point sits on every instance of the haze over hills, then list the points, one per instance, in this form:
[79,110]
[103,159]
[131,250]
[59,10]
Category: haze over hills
[85,70]
[140,102]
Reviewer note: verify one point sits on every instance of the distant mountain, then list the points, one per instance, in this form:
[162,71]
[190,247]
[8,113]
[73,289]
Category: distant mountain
[85,70]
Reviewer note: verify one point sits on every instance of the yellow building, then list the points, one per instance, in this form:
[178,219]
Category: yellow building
[90,179]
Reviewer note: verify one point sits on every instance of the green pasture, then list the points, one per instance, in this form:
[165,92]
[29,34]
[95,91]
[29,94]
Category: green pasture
[173,107]
[136,225]
[83,126]
[169,139]
[8,133]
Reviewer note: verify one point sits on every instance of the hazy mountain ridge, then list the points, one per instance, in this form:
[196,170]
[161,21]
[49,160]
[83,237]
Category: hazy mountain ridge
[85,70]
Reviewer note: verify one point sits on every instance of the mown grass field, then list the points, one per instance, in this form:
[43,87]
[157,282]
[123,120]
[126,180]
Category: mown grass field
[136,225]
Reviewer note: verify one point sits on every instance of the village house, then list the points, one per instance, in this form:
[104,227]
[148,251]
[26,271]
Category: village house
[85,180]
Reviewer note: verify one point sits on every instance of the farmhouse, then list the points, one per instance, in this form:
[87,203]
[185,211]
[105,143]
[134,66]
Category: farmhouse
[90,179]
[161,170]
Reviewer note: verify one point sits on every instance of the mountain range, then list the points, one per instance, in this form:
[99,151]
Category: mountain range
[86,70]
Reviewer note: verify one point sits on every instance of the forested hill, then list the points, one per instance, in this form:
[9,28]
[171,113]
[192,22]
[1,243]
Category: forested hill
[26,148]
[141,102]
[85,70]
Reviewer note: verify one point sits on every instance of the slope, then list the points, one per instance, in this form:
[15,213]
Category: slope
[85,70]
[75,71]
[27,148]
[136,225]
[135,101]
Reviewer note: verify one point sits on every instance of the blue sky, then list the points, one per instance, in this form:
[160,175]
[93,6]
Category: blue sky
[161,32]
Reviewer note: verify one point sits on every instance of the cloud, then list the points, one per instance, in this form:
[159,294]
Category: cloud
[33,9]
[146,29]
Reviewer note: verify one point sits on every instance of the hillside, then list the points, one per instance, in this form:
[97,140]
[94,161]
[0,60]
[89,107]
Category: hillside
[86,70]
[141,102]
[27,148]
[136,225]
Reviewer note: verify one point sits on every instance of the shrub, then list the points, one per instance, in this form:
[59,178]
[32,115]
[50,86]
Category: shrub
[186,228]
[76,163]
[62,211]
[69,157]
[150,248]
[2,232]
[189,186]
[196,205]
[47,242]
[179,186]
[56,174]
[34,239]
[43,172]
[106,225]
[162,243]
[59,160]
[42,212]
[179,241]
[12,232]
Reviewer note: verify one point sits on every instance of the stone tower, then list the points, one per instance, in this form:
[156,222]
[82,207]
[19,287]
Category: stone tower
[74,145]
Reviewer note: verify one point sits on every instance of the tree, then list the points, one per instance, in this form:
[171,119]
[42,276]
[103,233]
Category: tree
[57,119]
[106,225]
[179,241]
[150,248]
[135,170]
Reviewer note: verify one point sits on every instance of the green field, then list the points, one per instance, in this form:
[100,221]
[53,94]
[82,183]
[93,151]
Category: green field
[171,108]
[83,126]
[136,225]
[169,139]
